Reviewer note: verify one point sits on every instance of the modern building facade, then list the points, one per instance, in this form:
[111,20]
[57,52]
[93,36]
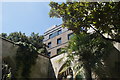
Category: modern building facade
[56,38]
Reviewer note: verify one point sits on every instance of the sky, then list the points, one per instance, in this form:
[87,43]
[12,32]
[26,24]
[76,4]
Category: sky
[27,17]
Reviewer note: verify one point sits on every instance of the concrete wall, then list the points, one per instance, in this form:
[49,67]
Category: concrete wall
[42,68]
[8,48]
[58,63]
[8,52]
[112,62]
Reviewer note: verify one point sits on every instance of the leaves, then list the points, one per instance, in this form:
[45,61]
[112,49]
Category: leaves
[82,48]
[76,15]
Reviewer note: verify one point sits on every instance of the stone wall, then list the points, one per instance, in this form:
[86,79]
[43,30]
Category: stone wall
[42,68]
[112,62]
[8,52]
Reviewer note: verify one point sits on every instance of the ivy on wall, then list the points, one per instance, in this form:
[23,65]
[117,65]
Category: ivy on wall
[25,57]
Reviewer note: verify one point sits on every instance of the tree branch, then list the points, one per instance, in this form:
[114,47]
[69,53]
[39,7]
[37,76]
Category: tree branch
[116,40]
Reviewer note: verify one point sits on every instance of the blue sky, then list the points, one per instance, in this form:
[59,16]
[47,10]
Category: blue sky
[27,17]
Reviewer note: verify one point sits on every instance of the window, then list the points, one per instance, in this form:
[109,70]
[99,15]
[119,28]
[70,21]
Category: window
[58,50]
[49,45]
[70,35]
[55,34]
[50,36]
[59,32]
[49,53]
[59,41]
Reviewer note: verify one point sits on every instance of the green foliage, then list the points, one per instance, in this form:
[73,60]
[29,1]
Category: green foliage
[87,50]
[17,36]
[4,35]
[34,39]
[89,46]
[102,17]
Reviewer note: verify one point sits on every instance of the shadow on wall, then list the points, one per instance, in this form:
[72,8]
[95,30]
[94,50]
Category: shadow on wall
[111,66]
[42,68]
[112,63]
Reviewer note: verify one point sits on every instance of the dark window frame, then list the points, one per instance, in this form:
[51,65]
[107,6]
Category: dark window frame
[55,34]
[59,39]
[50,36]
[58,50]
[70,35]
[49,44]
[49,54]
[59,32]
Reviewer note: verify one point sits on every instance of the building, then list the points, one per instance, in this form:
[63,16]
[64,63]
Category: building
[56,38]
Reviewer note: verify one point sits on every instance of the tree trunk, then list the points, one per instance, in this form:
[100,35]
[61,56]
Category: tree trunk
[87,69]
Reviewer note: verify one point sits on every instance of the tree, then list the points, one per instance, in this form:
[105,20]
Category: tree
[90,49]
[4,35]
[36,40]
[17,37]
[102,17]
